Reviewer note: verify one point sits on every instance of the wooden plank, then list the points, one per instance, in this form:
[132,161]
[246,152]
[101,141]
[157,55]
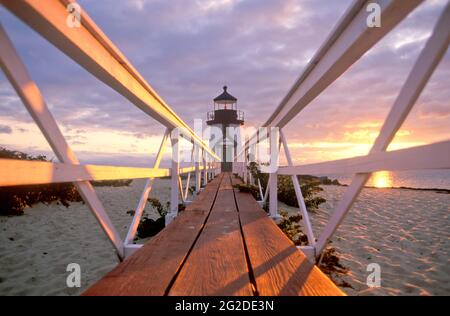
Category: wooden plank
[217,265]
[278,266]
[150,270]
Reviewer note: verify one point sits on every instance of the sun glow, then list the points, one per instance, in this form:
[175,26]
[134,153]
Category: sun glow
[381,179]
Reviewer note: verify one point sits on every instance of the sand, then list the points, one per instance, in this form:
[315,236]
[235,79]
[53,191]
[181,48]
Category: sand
[406,232]
[47,238]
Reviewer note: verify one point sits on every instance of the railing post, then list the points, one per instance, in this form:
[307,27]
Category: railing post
[180,188]
[207,169]
[210,176]
[253,159]
[273,178]
[245,165]
[144,196]
[249,160]
[186,190]
[198,179]
[273,194]
[260,190]
[266,192]
[298,192]
[28,91]
[174,177]
[205,174]
[423,68]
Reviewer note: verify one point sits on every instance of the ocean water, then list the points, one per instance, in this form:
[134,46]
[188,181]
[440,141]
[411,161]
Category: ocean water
[422,179]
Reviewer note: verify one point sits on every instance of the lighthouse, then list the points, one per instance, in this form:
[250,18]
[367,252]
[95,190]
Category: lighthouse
[226,118]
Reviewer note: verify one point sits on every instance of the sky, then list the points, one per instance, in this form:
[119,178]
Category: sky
[188,49]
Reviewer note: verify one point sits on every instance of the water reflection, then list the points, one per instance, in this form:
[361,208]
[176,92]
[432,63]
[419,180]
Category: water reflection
[411,178]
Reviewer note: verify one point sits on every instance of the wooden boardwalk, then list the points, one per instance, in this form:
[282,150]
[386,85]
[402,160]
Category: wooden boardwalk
[222,244]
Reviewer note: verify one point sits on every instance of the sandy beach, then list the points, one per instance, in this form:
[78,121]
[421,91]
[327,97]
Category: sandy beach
[36,248]
[404,231]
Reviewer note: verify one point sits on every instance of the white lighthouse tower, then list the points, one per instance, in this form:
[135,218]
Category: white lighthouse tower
[225,116]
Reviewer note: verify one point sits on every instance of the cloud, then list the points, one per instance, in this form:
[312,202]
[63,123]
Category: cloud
[5,129]
[187,50]
[436,111]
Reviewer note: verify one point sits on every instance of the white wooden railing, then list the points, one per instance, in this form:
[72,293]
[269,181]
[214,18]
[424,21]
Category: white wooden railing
[350,40]
[89,47]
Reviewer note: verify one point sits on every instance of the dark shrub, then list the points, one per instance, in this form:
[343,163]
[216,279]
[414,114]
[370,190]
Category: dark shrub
[329,262]
[156,204]
[248,189]
[13,199]
[112,183]
[149,227]
[309,185]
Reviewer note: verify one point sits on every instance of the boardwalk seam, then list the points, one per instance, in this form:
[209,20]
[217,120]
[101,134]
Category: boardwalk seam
[174,278]
[251,275]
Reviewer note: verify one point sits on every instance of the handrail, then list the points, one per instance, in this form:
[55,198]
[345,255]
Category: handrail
[349,40]
[432,156]
[25,172]
[91,49]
